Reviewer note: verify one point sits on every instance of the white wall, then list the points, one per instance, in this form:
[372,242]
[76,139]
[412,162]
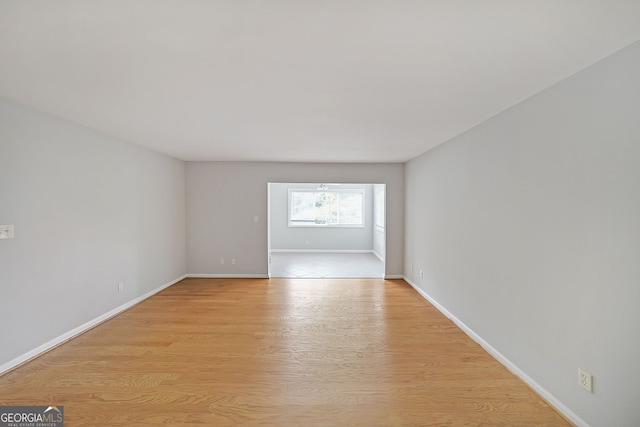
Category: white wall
[528,230]
[89,211]
[284,237]
[379,233]
[224,197]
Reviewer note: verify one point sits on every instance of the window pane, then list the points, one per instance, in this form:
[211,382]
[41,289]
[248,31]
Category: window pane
[350,208]
[325,208]
[314,207]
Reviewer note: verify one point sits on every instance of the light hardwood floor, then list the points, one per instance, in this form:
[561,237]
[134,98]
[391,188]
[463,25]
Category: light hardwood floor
[282,352]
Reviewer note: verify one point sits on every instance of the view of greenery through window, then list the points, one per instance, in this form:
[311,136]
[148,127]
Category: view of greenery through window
[309,208]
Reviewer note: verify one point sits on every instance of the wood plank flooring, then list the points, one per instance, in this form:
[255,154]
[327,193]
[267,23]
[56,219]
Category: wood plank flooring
[281,352]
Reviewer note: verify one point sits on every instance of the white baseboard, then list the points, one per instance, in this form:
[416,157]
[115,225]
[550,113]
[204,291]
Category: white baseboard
[325,251]
[380,257]
[552,400]
[80,329]
[229,276]
[394,276]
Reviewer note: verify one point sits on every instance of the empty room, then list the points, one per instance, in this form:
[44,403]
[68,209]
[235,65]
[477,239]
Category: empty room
[157,156]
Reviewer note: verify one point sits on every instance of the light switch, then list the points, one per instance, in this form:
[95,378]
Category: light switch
[6,231]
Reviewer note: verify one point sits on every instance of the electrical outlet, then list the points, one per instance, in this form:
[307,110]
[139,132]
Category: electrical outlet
[585,379]
[120,287]
[421,273]
[233,260]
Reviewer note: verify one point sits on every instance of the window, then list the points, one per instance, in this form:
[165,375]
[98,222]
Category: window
[333,208]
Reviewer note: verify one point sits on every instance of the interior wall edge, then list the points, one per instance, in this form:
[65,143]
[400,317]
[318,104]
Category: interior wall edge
[561,408]
[75,332]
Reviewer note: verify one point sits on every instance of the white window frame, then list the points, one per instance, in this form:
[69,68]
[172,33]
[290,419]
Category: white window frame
[360,191]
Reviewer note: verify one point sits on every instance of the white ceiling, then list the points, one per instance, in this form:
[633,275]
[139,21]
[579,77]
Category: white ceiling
[297,80]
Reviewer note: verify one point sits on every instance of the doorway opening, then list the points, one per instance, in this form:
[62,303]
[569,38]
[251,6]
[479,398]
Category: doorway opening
[326,230]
